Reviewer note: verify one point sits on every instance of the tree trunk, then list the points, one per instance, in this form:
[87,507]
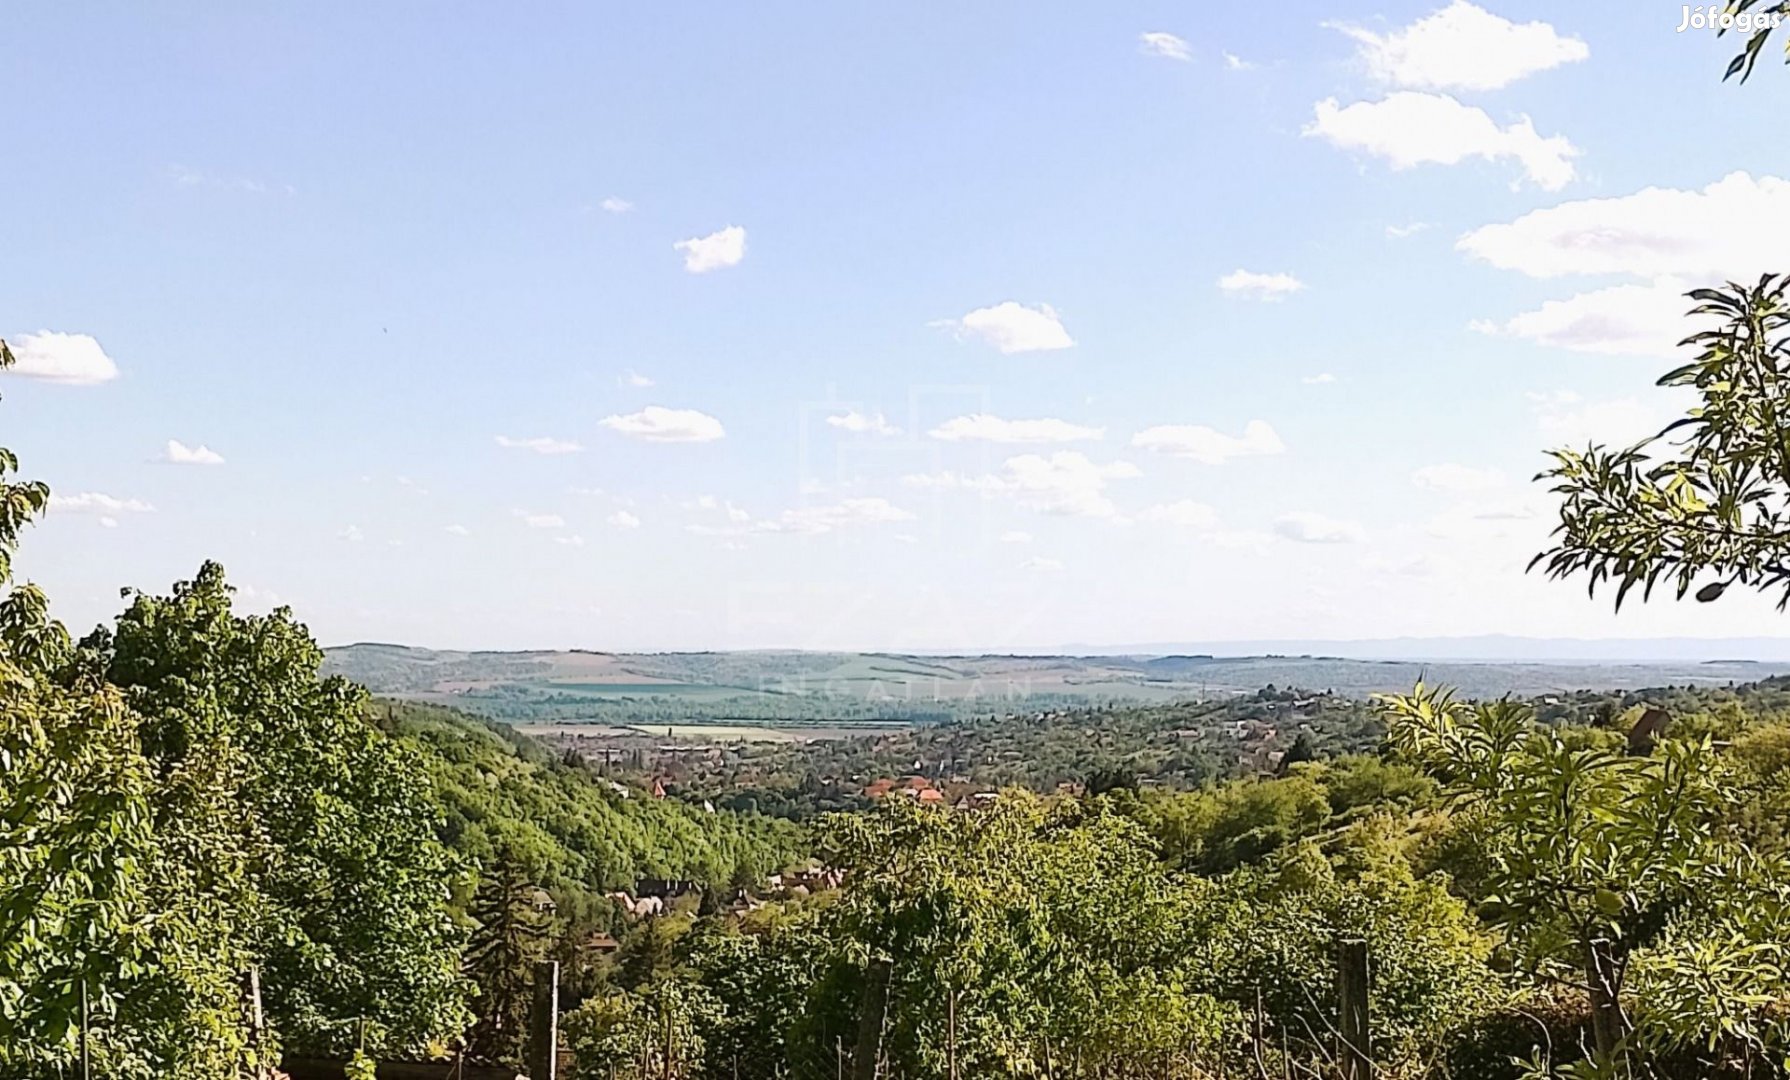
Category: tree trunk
[543,1036]
[1604,981]
[871,1012]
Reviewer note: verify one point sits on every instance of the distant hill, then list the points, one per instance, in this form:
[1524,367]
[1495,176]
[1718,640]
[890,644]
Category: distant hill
[666,687]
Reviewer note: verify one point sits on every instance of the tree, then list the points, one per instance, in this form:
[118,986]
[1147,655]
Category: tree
[338,888]
[514,933]
[1717,504]
[1599,863]
[95,915]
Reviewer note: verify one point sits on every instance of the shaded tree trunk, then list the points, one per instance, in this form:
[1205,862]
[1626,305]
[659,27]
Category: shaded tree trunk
[1603,979]
[873,1007]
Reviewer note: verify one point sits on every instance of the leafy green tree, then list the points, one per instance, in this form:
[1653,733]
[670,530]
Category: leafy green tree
[1600,863]
[96,903]
[1715,503]
[343,892]
[514,932]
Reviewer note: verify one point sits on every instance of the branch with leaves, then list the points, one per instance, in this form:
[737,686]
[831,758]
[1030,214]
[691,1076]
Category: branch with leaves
[1715,501]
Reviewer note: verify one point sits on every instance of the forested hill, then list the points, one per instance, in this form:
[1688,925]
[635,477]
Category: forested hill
[668,687]
[580,834]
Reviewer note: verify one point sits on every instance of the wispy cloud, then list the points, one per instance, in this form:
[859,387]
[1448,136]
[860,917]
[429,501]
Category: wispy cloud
[183,176]
[540,444]
[862,423]
[1408,129]
[179,453]
[96,502]
[1065,483]
[1208,445]
[1012,327]
[661,425]
[982,427]
[1164,44]
[1306,527]
[1255,286]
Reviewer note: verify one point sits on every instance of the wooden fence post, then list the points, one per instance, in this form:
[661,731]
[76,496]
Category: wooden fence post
[543,1035]
[86,1022]
[1353,1052]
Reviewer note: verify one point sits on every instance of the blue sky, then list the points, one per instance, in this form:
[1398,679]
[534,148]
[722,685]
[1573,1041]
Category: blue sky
[1004,325]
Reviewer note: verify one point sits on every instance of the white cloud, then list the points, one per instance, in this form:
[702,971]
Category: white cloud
[352,534]
[75,359]
[1253,286]
[715,251]
[1233,62]
[981,427]
[622,519]
[1410,129]
[1669,239]
[540,521]
[1183,514]
[458,530]
[709,502]
[1166,45]
[1463,47]
[1041,565]
[179,453]
[1065,483]
[1012,327]
[812,520]
[95,502]
[1457,478]
[1565,418]
[614,205]
[1322,378]
[1306,527]
[657,424]
[108,523]
[540,444]
[809,520]
[862,423]
[1399,232]
[1016,536]
[1204,444]
[570,541]
[1622,320]
[634,379]
[1736,227]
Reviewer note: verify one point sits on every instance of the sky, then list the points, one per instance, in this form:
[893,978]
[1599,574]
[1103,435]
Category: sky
[924,326]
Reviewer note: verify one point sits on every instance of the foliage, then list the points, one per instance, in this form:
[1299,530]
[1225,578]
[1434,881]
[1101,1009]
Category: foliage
[501,792]
[1720,505]
[1764,14]
[344,890]
[1602,867]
